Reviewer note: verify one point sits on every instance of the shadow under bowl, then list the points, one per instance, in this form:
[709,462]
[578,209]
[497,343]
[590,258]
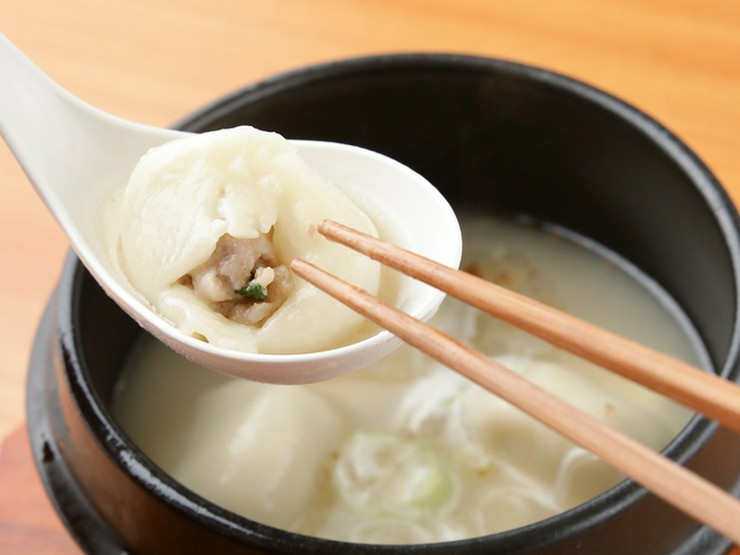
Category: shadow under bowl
[490,134]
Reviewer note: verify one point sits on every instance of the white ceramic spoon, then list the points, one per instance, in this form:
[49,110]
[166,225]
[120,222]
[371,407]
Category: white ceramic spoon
[76,156]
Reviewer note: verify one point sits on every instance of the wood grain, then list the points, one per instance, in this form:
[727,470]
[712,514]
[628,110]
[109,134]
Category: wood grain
[155,60]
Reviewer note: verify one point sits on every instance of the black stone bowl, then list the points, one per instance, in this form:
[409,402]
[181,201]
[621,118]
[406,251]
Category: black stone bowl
[488,133]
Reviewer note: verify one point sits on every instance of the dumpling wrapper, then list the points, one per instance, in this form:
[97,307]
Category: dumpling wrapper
[184,195]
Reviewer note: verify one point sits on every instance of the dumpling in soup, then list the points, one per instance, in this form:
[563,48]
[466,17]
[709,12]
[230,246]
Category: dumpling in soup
[208,227]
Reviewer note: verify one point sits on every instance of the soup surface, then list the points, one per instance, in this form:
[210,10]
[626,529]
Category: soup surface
[407,451]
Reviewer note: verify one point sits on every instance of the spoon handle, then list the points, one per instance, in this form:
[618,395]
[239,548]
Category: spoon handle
[72,152]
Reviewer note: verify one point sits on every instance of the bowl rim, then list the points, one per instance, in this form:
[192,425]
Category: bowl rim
[563,525]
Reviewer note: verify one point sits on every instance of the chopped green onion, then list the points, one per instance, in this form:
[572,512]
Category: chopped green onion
[253,290]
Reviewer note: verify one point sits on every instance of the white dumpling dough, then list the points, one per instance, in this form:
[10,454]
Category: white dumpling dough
[247,445]
[185,195]
[263,457]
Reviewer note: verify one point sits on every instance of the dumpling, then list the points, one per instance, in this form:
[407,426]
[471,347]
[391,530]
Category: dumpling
[208,227]
[255,452]
[255,449]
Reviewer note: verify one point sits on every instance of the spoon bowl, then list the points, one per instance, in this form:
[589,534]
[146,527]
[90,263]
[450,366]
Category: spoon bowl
[77,157]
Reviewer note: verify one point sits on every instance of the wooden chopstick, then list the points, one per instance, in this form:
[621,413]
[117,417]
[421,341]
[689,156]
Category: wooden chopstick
[677,485]
[702,391]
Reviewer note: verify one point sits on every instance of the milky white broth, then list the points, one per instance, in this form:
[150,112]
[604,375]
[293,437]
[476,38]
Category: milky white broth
[406,451]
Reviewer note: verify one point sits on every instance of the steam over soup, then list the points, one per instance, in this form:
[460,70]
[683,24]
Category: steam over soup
[207,227]
[405,450]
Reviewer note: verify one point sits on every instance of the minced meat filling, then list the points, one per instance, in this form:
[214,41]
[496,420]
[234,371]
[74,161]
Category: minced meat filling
[243,279]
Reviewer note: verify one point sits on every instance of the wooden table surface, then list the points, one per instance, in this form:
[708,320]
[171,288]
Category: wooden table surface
[154,61]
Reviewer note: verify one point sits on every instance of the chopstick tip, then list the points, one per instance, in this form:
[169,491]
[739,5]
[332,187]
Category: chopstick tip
[323,225]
